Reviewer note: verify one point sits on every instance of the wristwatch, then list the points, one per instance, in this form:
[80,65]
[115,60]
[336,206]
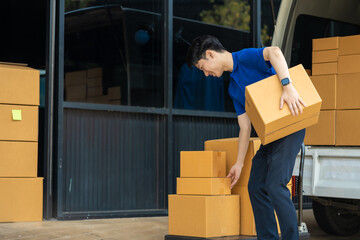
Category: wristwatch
[285,81]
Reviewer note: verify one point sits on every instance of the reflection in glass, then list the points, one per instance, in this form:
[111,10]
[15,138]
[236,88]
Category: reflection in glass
[113,53]
[192,89]
[197,92]
[230,22]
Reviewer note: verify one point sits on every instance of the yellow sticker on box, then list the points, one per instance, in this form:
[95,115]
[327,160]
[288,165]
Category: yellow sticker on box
[16,114]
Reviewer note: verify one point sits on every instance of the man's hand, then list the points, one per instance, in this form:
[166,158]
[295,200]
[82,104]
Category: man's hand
[234,174]
[292,98]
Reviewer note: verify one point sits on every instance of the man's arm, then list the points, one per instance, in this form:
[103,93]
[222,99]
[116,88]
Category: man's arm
[244,136]
[290,95]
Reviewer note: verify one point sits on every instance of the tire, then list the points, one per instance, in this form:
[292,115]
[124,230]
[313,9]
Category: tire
[334,221]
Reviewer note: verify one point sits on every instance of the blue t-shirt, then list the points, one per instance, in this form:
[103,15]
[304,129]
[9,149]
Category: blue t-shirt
[249,67]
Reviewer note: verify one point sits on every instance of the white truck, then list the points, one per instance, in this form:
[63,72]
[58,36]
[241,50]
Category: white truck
[331,175]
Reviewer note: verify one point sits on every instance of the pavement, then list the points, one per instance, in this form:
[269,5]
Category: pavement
[149,228]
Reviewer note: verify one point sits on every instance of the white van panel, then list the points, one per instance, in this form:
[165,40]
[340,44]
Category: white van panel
[331,172]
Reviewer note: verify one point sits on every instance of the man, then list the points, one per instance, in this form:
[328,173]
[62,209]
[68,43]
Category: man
[273,164]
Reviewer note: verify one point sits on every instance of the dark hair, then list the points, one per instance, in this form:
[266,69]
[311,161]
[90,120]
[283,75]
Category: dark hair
[198,48]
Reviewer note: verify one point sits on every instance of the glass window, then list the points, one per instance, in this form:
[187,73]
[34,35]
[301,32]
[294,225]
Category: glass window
[230,22]
[268,13]
[113,52]
[310,27]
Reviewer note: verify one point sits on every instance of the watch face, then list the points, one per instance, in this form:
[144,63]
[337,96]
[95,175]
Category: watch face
[285,81]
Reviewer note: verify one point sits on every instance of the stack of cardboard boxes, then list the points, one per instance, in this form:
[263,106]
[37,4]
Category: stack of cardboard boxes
[75,86]
[230,146]
[94,86]
[87,86]
[203,206]
[336,76]
[21,190]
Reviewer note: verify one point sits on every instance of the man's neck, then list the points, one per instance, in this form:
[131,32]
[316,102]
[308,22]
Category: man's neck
[228,61]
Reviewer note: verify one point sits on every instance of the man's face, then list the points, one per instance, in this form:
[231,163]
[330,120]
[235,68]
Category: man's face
[211,65]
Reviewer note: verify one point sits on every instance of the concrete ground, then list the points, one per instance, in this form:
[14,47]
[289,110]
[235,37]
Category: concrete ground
[151,228]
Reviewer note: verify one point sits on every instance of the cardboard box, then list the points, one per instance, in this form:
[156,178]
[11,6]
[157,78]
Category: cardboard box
[94,73]
[325,56]
[76,100]
[230,147]
[326,87]
[115,102]
[19,85]
[202,164]
[94,91]
[263,106]
[347,96]
[347,128]
[94,82]
[21,199]
[204,186]
[323,133]
[114,93]
[247,220]
[99,99]
[308,71]
[204,216]
[324,68]
[349,64]
[349,45]
[18,123]
[75,92]
[325,43]
[18,159]
[75,78]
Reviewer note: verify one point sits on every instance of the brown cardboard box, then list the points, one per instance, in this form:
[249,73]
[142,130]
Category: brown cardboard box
[202,164]
[94,91]
[99,99]
[21,199]
[247,221]
[204,216]
[25,129]
[348,96]
[19,85]
[349,45]
[94,82]
[347,128]
[75,78]
[230,146]
[18,159]
[94,73]
[322,133]
[325,43]
[115,102]
[204,186]
[75,92]
[326,87]
[324,68]
[349,64]
[262,106]
[325,56]
[114,93]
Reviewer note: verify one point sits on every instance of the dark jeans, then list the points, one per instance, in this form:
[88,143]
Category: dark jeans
[271,171]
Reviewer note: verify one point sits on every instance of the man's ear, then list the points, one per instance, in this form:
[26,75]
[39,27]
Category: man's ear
[209,53]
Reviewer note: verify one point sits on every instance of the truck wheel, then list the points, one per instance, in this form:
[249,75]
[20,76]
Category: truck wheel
[335,221]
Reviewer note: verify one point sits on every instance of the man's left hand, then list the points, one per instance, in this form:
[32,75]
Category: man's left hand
[293,100]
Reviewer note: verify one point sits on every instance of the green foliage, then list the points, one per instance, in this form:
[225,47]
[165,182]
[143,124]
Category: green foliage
[234,14]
